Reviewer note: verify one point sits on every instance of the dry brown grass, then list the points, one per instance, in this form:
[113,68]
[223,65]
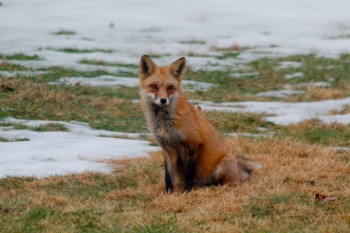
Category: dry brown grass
[315,131]
[39,100]
[278,198]
[344,110]
[233,47]
[293,170]
[322,93]
[318,94]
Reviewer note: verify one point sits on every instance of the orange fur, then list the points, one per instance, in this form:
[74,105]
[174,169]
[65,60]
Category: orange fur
[185,130]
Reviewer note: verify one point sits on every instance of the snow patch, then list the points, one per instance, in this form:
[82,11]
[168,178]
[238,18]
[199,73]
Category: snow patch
[60,153]
[22,73]
[286,113]
[293,27]
[101,81]
[280,93]
[190,85]
[289,64]
[295,75]
[243,75]
[313,84]
[115,82]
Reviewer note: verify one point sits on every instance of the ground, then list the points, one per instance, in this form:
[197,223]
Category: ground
[75,151]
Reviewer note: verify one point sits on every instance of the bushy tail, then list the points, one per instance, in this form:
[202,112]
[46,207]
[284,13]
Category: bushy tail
[248,166]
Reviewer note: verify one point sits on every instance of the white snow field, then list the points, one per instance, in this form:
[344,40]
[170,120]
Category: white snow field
[121,31]
[79,149]
[174,28]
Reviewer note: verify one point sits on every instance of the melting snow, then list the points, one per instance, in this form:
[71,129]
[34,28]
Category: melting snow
[115,82]
[133,28]
[58,153]
[295,75]
[289,64]
[101,81]
[23,73]
[287,113]
[243,75]
[280,93]
[313,84]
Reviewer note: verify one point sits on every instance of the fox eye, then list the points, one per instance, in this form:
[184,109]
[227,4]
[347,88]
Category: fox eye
[171,87]
[154,86]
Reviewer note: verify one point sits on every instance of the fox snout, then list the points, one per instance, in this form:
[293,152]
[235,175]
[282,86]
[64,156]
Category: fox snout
[162,101]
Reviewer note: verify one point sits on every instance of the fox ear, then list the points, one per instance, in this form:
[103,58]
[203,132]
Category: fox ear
[147,65]
[178,67]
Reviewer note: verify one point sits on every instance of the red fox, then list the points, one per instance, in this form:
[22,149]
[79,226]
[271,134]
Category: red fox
[193,152]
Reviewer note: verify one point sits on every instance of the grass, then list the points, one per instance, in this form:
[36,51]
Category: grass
[270,76]
[233,47]
[5,66]
[193,41]
[41,128]
[104,63]
[2,139]
[229,88]
[315,132]
[77,50]
[102,109]
[298,161]
[64,32]
[278,198]
[237,122]
[344,110]
[20,57]
[56,72]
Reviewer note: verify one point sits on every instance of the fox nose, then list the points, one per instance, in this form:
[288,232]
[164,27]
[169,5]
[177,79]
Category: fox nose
[163,101]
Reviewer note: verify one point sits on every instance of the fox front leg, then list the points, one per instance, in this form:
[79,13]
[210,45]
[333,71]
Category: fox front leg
[169,176]
[190,170]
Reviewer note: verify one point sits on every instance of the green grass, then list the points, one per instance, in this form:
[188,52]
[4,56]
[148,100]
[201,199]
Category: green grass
[5,66]
[270,76]
[229,89]
[315,69]
[42,128]
[128,93]
[20,57]
[227,55]
[77,50]
[315,132]
[56,72]
[237,122]
[102,108]
[64,32]
[192,41]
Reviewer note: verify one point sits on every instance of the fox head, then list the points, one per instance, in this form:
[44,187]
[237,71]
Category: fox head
[160,85]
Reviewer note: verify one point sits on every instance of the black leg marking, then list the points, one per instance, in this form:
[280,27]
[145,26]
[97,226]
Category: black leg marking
[179,161]
[190,170]
[169,184]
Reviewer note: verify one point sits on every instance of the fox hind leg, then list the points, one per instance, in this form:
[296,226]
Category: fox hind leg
[190,170]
